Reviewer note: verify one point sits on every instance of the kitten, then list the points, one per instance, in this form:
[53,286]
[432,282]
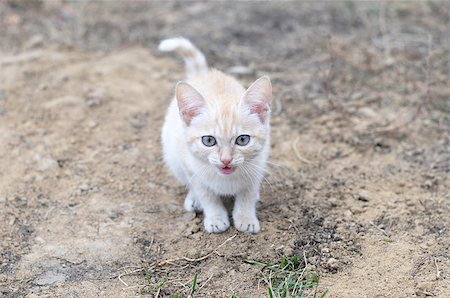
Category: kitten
[216,140]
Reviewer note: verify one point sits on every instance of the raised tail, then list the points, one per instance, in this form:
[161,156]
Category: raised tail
[195,61]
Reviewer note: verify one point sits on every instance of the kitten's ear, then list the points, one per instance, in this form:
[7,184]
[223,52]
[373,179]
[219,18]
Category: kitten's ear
[258,97]
[190,102]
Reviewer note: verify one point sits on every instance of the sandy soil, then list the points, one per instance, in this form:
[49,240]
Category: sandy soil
[359,171]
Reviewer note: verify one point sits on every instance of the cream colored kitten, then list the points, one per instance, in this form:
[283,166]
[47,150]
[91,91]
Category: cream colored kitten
[216,140]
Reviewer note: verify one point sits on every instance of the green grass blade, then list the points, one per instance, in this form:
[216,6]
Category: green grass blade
[255,262]
[270,293]
[194,286]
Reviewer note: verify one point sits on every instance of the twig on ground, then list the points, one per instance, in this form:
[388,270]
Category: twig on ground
[128,273]
[300,277]
[171,261]
[120,278]
[135,286]
[292,225]
[148,248]
[378,228]
[128,267]
[294,147]
[183,285]
[168,262]
[304,259]
[206,282]
[438,273]
[143,286]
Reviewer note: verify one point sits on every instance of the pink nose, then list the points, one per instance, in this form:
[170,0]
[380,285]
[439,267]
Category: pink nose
[226,161]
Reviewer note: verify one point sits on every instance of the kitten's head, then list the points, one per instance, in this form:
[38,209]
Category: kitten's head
[228,132]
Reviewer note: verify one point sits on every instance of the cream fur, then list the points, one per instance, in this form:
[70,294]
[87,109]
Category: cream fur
[214,104]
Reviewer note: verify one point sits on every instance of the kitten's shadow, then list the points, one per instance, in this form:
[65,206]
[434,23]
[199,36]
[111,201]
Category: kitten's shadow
[228,202]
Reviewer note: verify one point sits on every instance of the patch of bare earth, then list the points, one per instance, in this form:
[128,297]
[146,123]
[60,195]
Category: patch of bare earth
[358,181]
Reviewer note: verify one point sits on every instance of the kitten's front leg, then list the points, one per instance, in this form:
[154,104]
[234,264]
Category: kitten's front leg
[216,216]
[244,211]
[191,203]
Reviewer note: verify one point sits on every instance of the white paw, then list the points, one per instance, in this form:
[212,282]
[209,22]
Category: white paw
[217,224]
[191,204]
[247,224]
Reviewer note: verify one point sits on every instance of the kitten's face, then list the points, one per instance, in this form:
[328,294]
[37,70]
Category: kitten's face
[229,130]
[227,142]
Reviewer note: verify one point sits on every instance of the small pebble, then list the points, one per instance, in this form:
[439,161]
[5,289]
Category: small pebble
[368,113]
[139,121]
[196,229]
[39,240]
[95,97]
[333,202]
[332,263]
[20,201]
[325,250]
[348,214]
[92,124]
[84,187]
[364,196]
[113,214]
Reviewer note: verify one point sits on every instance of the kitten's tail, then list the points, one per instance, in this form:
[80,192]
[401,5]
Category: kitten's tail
[194,60]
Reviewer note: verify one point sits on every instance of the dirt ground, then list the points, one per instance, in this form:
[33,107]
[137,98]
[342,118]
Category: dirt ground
[359,171]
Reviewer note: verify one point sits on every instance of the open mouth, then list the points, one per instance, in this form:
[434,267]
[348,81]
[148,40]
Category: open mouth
[227,170]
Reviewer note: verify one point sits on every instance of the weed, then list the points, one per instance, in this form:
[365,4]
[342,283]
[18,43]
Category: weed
[194,286]
[155,287]
[289,278]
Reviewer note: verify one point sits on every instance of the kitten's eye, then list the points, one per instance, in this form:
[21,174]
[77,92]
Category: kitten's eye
[208,141]
[242,140]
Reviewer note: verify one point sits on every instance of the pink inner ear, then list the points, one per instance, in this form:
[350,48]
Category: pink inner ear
[190,102]
[260,109]
[258,97]
[189,114]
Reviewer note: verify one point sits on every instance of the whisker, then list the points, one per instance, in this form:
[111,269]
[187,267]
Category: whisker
[254,171]
[201,171]
[271,174]
[261,168]
[248,175]
[276,164]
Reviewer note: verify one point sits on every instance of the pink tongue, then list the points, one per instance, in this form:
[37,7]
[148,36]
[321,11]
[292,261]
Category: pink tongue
[227,170]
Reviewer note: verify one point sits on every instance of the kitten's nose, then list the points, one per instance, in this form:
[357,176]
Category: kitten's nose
[226,162]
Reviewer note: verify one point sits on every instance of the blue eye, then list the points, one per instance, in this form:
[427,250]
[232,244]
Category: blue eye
[208,141]
[242,140]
